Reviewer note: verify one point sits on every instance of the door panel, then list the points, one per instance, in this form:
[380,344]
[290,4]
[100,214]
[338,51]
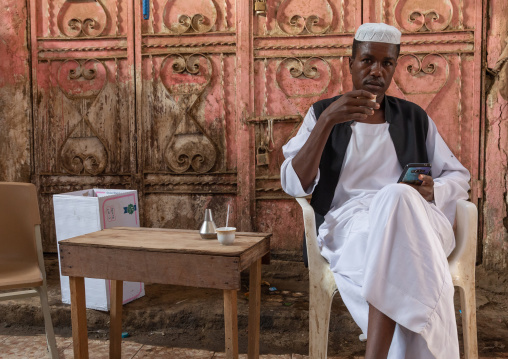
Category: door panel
[301,51]
[187,118]
[83,99]
[192,106]
[440,67]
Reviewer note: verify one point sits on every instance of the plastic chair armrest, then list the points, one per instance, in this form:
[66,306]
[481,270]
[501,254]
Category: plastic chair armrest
[319,268]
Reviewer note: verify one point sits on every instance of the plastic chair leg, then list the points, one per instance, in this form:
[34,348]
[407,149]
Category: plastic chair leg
[320,304]
[50,334]
[468,306]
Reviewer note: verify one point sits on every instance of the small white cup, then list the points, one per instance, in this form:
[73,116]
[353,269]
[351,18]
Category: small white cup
[226,235]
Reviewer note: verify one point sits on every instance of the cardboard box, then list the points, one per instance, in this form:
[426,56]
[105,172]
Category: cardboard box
[82,212]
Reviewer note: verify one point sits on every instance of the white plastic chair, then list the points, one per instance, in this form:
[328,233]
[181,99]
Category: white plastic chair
[322,285]
[21,259]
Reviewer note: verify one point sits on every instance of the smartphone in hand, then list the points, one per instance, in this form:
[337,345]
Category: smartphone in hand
[411,172]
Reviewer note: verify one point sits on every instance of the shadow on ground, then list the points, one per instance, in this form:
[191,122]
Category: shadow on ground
[175,316]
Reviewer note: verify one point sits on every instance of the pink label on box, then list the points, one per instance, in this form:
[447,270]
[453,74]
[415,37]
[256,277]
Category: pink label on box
[131,208]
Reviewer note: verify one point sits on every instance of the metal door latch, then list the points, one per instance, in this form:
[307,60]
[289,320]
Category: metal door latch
[260,7]
[262,156]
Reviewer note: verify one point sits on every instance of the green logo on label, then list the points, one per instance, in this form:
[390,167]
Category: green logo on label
[131,208]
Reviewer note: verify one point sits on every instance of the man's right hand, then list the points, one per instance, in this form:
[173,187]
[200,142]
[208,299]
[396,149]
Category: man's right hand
[355,105]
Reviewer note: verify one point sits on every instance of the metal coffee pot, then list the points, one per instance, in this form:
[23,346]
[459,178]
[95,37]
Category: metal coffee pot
[207,230]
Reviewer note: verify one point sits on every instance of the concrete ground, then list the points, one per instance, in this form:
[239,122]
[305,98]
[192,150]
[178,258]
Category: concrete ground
[33,347]
[185,322]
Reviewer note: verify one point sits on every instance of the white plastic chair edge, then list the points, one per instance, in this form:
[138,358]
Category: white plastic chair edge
[462,269]
[319,268]
[466,237]
[322,287]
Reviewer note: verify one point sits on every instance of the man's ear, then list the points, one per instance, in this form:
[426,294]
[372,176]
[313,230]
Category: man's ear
[350,64]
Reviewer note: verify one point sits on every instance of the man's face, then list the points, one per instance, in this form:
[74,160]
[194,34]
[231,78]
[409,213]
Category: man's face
[373,67]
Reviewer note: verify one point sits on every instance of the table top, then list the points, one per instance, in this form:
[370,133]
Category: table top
[166,240]
[165,256]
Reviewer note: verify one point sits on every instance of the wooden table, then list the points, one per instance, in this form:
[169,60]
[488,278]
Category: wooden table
[164,256]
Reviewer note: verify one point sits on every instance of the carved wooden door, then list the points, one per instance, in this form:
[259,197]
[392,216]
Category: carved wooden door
[192,106]
[440,68]
[221,90]
[188,136]
[301,51]
[83,99]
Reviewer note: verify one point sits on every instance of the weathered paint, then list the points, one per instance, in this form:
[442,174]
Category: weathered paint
[15,102]
[188,124]
[297,62]
[495,236]
[294,66]
[257,76]
[83,99]
[446,79]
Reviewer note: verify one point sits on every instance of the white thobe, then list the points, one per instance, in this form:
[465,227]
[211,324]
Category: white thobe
[385,243]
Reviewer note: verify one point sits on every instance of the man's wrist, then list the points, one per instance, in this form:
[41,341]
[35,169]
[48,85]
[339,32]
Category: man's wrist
[327,121]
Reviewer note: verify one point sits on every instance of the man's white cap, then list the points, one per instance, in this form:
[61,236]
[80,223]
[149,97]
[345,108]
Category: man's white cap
[378,32]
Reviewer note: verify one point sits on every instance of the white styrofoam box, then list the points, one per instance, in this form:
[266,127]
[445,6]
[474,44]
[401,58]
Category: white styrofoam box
[82,212]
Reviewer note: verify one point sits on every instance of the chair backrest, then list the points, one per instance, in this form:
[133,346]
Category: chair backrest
[19,213]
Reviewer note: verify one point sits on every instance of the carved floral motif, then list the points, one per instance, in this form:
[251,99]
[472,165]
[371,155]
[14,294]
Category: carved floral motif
[83,151]
[418,77]
[189,148]
[181,16]
[82,79]
[303,81]
[82,18]
[295,17]
[423,15]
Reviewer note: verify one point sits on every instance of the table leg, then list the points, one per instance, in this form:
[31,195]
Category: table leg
[254,309]
[231,323]
[115,320]
[78,317]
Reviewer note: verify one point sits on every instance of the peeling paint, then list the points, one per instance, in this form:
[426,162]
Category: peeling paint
[15,104]
[495,238]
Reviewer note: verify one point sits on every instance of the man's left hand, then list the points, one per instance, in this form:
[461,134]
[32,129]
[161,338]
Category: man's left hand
[426,189]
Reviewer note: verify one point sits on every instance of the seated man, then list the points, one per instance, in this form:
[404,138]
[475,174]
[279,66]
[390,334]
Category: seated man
[386,243]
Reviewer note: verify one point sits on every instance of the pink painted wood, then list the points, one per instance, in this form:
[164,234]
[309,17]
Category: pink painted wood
[83,99]
[192,106]
[298,62]
[298,59]
[15,102]
[440,68]
[495,210]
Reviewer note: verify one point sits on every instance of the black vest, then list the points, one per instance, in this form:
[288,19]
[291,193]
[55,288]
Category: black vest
[408,125]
